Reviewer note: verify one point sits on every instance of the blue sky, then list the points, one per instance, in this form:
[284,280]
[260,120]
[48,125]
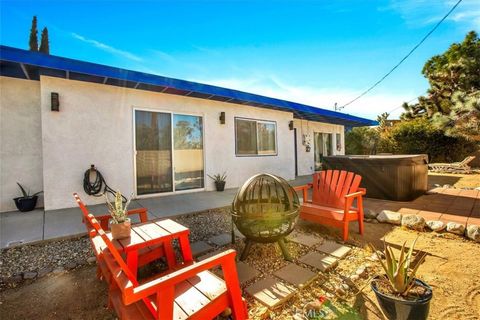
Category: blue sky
[315,52]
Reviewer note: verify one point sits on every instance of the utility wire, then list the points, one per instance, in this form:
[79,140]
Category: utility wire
[400,106]
[404,58]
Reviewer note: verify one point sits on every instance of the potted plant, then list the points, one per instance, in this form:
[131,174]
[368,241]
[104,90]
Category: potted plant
[26,202]
[120,225]
[220,180]
[400,295]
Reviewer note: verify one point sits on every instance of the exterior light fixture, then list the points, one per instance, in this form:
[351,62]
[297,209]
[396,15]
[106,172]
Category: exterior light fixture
[222,117]
[55,102]
[290,125]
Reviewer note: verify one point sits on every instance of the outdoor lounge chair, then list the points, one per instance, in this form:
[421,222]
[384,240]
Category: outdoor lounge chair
[455,167]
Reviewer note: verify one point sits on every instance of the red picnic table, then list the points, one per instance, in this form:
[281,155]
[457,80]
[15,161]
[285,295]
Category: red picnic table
[152,234]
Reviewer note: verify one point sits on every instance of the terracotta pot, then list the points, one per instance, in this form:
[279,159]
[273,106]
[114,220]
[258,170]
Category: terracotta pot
[120,230]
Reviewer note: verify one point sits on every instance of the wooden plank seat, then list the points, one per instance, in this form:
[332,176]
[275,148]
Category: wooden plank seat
[191,292]
[145,256]
[332,202]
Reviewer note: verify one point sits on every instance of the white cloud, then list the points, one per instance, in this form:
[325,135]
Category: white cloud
[369,106]
[107,48]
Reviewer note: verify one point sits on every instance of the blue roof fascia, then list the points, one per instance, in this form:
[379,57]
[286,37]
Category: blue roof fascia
[60,63]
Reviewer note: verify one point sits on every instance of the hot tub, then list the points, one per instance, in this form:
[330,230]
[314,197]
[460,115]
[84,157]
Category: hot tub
[390,177]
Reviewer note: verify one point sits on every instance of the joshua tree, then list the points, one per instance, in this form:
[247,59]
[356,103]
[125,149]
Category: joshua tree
[44,42]
[33,43]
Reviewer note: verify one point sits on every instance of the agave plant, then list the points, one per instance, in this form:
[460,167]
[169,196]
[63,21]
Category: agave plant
[117,210]
[26,194]
[219,177]
[398,271]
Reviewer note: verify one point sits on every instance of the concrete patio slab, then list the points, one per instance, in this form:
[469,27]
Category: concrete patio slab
[271,292]
[320,261]
[334,249]
[296,275]
[20,227]
[200,248]
[245,272]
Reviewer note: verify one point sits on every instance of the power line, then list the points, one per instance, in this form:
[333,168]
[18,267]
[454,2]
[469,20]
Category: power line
[404,58]
[400,106]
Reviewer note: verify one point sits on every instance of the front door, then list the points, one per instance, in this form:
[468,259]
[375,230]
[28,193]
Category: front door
[322,148]
[168,152]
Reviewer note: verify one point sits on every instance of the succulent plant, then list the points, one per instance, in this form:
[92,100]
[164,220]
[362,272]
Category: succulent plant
[399,274]
[26,193]
[218,177]
[117,210]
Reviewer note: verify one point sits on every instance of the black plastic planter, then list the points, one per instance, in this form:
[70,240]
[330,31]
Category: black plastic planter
[26,204]
[220,185]
[397,309]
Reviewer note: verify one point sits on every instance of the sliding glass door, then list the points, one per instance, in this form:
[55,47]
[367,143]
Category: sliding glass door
[322,148]
[169,152]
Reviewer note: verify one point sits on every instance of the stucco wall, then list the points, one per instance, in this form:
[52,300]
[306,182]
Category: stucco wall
[95,126]
[20,139]
[306,160]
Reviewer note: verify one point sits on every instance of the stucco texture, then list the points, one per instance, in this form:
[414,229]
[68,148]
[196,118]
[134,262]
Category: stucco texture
[20,140]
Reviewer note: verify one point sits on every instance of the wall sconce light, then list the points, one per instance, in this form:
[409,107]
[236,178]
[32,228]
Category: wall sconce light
[55,102]
[307,148]
[222,117]
[290,125]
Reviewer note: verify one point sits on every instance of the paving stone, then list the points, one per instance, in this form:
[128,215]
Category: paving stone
[221,239]
[305,239]
[245,272]
[271,292]
[334,249]
[296,275]
[199,248]
[320,261]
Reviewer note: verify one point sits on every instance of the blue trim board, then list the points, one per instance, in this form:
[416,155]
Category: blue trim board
[26,64]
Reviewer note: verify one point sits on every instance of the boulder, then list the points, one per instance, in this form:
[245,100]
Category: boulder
[436,225]
[29,275]
[413,221]
[390,217]
[369,213]
[473,232]
[456,228]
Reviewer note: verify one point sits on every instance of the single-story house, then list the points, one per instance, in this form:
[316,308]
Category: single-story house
[147,134]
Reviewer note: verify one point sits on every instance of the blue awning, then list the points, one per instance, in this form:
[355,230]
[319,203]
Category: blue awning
[26,64]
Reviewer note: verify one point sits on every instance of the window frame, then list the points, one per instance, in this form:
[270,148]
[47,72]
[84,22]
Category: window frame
[256,127]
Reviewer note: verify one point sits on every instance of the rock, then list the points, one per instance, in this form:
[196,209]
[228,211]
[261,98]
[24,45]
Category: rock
[361,272]
[413,221]
[390,217]
[456,228]
[91,260]
[369,214]
[58,270]
[71,265]
[44,271]
[339,291]
[473,232]
[436,185]
[29,275]
[447,186]
[354,277]
[436,225]
[477,188]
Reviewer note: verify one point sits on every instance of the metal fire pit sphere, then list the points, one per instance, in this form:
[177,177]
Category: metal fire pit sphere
[265,209]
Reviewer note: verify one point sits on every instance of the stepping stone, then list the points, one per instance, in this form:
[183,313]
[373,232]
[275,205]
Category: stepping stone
[199,248]
[334,249]
[271,292]
[320,261]
[221,239]
[245,272]
[305,239]
[296,275]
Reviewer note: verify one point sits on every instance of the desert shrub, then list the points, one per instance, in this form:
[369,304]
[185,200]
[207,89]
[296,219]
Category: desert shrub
[361,140]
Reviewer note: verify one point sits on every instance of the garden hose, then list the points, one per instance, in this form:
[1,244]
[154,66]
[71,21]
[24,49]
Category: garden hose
[94,184]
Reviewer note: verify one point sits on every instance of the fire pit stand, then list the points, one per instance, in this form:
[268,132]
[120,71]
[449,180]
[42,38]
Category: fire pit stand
[265,210]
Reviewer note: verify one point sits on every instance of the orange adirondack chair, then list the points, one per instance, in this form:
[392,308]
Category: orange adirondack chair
[145,256]
[333,193]
[192,292]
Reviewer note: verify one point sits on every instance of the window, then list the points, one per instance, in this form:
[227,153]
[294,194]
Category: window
[255,137]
